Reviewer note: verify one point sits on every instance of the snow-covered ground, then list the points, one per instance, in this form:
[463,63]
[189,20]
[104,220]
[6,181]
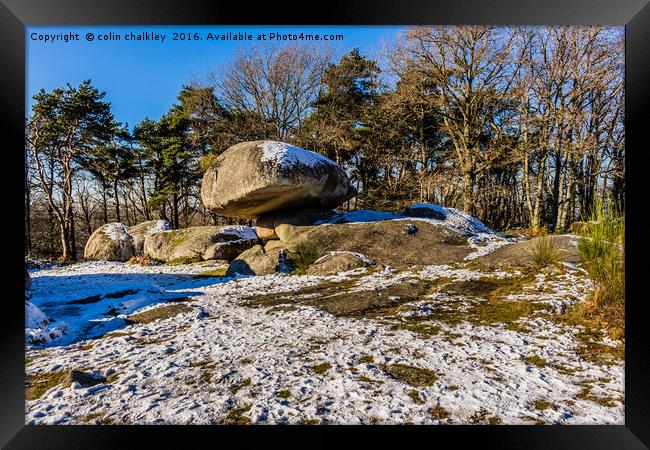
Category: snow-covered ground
[221,360]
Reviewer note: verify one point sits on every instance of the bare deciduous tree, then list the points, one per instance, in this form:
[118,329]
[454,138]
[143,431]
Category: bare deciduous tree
[278,84]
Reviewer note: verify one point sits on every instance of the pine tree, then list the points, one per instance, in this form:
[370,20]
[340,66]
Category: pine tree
[173,158]
[349,88]
[66,124]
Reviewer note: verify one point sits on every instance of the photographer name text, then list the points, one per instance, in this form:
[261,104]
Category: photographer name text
[153,36]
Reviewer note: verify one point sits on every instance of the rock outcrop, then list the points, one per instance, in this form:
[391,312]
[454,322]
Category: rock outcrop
[140,231]
[337,262]
[388,242]
[522,253]
[257,261]
[199,243]
[254,178]
[282,224]
[110,242]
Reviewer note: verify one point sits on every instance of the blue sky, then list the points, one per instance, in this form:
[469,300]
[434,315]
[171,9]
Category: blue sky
[141,79]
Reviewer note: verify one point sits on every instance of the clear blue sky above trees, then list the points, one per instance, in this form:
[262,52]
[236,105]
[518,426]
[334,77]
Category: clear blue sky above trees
[143,78]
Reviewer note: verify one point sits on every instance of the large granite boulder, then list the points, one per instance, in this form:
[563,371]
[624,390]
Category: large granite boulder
[257,261]
[199,243]
[139,231]
[253,178]
[110,242]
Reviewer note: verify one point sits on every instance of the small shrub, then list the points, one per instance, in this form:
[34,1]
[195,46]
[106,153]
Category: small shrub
[303,256]
[603,254]
[439,412]
[544,251]
[538,232]
[141,260]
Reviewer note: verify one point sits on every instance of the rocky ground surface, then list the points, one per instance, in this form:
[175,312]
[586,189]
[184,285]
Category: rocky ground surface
[182,344]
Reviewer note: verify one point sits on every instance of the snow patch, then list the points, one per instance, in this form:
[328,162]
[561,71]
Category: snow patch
[456,218]
[34,317]
[117,232]
[287,156]
[160,225]
[39,328]
[359,256]
[361,216]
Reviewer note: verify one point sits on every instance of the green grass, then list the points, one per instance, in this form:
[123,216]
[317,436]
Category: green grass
[161,312]
[39,384]
[206,376]
[413,376]
[309,422]
[439,412]
[366,359]
[212,273]
[321,368]
[416,397]
[241,385]
[541,405]
[544,252]
[284,394]
[236,416]
[302,256]
[603,255]
[535,360]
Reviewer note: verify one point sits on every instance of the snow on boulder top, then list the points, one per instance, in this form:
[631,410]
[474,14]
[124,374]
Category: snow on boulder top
[117,232]
[287,155]
[361,216]
[160,225]
[454,217]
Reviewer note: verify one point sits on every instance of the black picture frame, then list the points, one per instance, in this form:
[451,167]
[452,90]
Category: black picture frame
[633,14]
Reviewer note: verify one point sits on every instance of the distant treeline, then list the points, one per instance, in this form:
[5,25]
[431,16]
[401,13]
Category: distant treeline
[522,127]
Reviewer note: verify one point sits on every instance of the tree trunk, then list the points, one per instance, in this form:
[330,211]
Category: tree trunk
[104,202]
[65,245]
[144,192]
[535,222]
[117,202]
[73,240]
[555,205]
[175,211]
[469,178]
